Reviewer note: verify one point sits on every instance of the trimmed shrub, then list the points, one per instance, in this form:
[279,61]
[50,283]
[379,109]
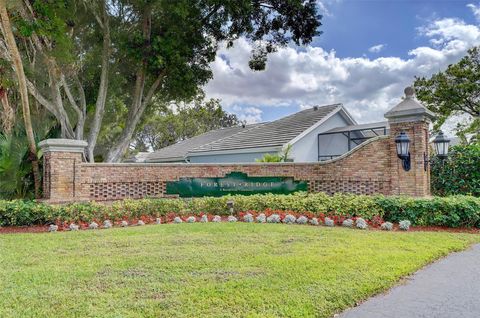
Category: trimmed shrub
[361,224]
[248,218]
[93,226]
[329,222]
[386,226]
[404,225]
[302,219]
[289,219]
[453,211]
[261,218]
[459,173]
[274,218]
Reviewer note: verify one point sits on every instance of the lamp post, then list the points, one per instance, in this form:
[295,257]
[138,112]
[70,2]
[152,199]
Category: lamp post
[403,146]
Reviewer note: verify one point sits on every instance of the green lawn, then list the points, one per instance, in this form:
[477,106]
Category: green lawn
[208,270]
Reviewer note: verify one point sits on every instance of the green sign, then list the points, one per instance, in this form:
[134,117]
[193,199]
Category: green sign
[233,183]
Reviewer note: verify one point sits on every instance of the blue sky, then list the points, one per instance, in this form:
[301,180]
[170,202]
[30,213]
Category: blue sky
[353,26]
[368,52]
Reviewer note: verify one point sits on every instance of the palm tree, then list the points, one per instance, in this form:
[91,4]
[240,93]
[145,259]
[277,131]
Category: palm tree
[22,83]
[14,171]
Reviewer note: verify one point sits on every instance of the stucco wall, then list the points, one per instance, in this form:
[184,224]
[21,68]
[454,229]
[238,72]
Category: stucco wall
[306,149]
[232,158]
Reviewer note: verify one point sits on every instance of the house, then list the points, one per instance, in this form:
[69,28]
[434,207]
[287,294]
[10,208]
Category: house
[315,134]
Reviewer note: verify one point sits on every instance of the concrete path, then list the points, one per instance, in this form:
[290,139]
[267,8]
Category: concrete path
[449,288]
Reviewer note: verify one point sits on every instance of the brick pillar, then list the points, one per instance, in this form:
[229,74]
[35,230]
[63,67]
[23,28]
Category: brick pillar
[60,158]
[413,118]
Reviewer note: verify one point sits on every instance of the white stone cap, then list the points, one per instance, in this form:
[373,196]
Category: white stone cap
[63,145]
[409,110]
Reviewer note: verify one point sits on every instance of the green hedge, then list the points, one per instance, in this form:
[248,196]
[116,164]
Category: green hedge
[459,173]
[454,211]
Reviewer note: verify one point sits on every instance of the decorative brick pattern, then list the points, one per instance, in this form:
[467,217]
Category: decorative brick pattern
[365,186]
[123,190]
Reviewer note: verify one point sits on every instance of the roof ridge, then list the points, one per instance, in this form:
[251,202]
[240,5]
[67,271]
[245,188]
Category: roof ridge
[304,110]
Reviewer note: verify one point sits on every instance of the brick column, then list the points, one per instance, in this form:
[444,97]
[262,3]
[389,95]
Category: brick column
[60,158]
[413,118]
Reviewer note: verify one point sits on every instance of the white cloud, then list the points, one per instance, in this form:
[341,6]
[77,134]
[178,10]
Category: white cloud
[475,9]
[249,114]
[367,87]
[376,48]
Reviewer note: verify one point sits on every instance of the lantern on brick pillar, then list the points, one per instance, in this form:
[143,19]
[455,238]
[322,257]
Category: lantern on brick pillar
[409,124]
[402,143]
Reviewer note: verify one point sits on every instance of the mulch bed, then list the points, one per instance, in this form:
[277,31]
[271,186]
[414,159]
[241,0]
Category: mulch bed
[44,228]
[23,229]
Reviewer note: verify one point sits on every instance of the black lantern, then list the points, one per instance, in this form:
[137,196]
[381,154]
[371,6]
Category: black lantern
[441,144]
[403,145]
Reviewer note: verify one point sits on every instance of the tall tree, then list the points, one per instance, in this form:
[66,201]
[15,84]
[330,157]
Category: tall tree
[87,58]
[455,91]
[7,112]
[22,84]
[175,123]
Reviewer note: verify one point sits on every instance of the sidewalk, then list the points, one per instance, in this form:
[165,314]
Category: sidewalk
[449,288]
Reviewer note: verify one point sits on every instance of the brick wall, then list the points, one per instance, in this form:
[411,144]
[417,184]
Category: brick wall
[415,182]
[369,169]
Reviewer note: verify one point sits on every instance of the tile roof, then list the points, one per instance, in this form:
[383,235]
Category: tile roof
[178,151]
[269,134]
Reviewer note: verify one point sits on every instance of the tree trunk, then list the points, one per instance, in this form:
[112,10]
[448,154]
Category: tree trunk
[8,115]
[138,103]
[102,92]
[22,83]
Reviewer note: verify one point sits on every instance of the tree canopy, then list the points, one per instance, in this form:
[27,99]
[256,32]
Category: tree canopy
[180,122]
[455,91]
[84,59]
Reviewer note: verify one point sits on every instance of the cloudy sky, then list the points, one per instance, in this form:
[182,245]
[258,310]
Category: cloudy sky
[368,52]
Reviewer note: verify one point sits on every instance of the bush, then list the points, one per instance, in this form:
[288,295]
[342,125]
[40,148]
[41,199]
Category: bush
[289,219]
[386,226]
[302,219]
[361,223]
[453,211]
[459,173]
[404,225]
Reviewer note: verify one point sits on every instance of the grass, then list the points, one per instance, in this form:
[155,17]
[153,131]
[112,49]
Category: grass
[208,270]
